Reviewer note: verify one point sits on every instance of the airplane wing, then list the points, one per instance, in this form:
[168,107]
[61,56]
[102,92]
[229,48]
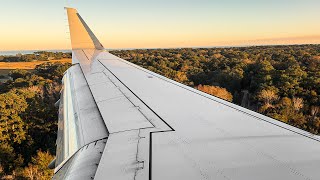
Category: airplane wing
[120,121]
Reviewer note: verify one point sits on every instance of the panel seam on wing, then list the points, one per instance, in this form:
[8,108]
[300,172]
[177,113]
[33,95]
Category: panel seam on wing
[303,133]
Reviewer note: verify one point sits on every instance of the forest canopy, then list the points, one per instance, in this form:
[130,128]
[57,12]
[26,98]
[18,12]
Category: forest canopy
[28,121]
[36,56]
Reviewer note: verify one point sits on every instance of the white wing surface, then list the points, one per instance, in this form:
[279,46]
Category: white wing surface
[120,121]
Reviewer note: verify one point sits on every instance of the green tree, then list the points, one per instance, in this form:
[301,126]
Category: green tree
[9,160]
[38,168]
[261,75]
[18,73]
[12,105]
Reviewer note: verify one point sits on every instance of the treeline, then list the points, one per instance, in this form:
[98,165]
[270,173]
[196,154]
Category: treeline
[36,56]
[282,82]
[28,121]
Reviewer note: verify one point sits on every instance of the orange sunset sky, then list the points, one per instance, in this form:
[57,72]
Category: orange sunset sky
[42,25]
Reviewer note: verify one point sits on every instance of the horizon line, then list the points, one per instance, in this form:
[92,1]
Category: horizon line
[177,47]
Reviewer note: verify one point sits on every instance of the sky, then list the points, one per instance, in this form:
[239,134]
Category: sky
[121,24]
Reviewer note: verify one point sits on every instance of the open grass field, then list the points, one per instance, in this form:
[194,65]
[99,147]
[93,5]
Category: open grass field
[7,66]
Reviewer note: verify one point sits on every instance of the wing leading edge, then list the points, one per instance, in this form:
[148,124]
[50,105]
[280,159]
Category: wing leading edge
[156,128]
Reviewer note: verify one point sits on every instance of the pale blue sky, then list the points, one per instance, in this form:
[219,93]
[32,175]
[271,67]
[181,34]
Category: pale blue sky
[41,24]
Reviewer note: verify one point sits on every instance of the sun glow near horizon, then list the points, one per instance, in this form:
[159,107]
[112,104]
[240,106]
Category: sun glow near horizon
[162,24]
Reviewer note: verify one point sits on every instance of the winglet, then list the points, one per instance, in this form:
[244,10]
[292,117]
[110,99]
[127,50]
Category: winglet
[81,35]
